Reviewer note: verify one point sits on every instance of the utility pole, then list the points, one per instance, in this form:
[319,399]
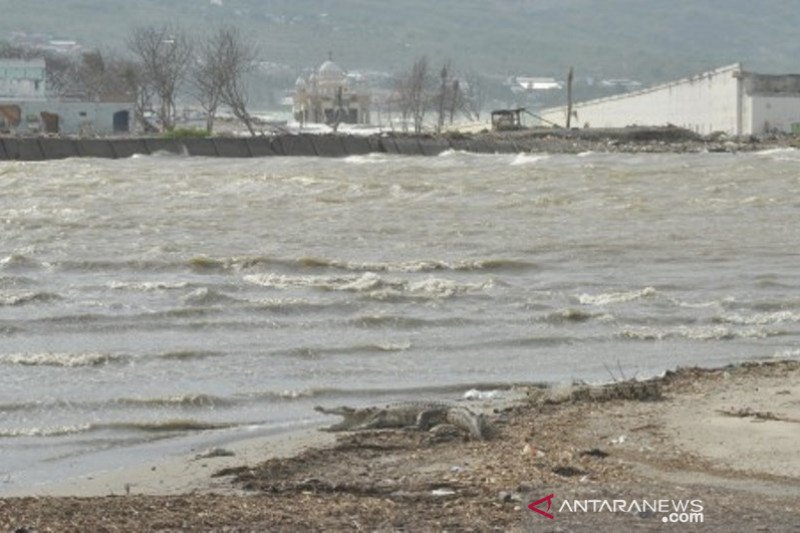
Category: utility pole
[569,96]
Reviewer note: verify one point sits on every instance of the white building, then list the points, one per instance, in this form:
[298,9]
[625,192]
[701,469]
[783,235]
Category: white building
[26,109]
[537,84]
[331,96]
[728,99]
[71,118]
[22,78]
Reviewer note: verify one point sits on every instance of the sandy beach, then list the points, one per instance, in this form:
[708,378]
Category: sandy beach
[724,439]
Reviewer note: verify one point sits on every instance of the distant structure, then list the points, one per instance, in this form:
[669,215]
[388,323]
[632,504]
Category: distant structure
[728,99]
[527,83]
[23,78]
[25,106]
[331,96]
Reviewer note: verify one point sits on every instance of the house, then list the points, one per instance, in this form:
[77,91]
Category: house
[26,108]
[728,99]
[22,78]
[331,96]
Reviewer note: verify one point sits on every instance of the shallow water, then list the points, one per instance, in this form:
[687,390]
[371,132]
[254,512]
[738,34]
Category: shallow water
[154,304]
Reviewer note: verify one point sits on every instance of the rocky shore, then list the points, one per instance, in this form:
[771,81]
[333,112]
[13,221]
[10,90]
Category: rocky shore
[725,439]
[639,140]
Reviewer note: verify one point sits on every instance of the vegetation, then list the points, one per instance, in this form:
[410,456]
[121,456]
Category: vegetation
[186,133]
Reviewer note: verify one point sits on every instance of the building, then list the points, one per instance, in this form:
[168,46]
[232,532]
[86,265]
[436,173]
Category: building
[331,96]
[71,118]
[22,78]
[728,99]
[26,108]
[527,83]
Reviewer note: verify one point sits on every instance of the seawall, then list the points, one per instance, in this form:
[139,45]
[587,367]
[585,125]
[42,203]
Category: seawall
[667,139]
[45,148]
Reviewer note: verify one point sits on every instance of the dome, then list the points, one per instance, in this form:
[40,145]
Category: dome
[300,83]
[330,71]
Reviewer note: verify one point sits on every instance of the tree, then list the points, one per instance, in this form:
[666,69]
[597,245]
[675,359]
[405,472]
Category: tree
[414,94]
[237,61]
[164,56]
[220,76]
[474,95]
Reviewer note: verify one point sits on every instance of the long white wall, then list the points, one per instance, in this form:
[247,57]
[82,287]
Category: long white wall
[705,103]
[766,113]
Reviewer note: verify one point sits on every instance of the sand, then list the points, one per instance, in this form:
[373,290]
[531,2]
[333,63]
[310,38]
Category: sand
[727,439]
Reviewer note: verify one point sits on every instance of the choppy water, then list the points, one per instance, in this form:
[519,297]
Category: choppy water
[156,303]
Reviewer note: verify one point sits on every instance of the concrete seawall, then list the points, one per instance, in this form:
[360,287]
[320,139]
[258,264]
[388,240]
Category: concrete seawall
[45,148]
[632,139]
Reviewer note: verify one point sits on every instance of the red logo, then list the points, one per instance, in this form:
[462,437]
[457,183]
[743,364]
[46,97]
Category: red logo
[534,506]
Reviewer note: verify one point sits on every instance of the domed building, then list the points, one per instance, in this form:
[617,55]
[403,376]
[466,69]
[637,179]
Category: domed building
[330,96]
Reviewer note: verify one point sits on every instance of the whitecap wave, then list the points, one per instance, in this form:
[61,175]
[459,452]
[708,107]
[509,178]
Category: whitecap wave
[146,286]
[206,296]
[68,360]
[28,298]
[616,297]
[368,159]
[528,159]
[371,284]
[760,319]
[703,333]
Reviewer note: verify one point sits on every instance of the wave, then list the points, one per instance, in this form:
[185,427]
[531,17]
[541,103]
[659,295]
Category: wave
[787,354]
[188,355]
[184,400]
[572,316]
[311,352]
[616,297]
[417,266]
[29,298]
[368,159]
[206,296]
[146,286]
[779,154]
[16,262]
[371,284]
[332,393]
[759,319]
[205,264]
[198,400]
[68,360]
[12,282]
[404,322]
[706,333]
[87,359]
[167,426]
[528,159]
[7,330]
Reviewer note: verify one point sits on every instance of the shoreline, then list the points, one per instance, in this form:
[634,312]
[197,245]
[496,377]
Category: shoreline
[726,436]
[618,140]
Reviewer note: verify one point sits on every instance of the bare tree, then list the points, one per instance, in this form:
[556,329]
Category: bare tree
[227,61]
[164,54]
[413,90]
[209,78]
[474,95]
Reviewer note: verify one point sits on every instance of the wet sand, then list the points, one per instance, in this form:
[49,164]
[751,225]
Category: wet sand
[727,437]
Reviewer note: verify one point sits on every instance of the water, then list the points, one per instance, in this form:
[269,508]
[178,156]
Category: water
[155,304]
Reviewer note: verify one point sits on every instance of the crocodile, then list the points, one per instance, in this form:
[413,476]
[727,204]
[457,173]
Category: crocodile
[419,415]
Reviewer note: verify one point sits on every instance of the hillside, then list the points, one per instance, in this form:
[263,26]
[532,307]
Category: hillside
[644,39]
